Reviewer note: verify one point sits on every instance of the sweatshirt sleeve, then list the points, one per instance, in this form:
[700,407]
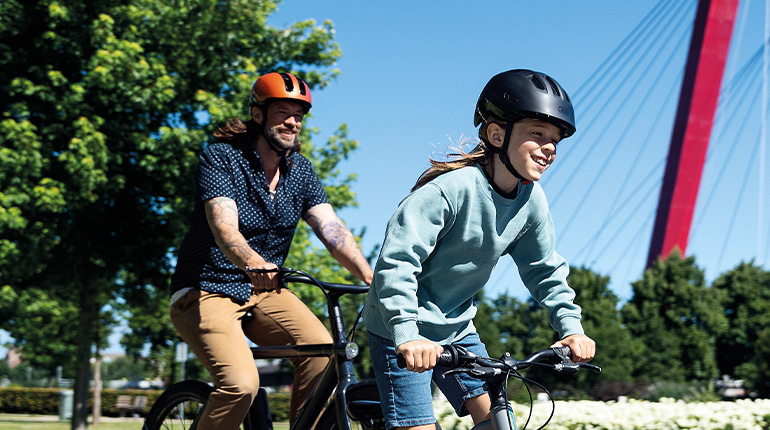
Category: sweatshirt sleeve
[411,236]
[544,273]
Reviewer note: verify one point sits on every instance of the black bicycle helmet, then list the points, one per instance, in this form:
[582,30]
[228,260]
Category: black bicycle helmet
[517,94]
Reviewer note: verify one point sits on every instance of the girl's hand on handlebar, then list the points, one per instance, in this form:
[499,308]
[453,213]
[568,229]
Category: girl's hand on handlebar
[420,355]
[583,347]
[264,281]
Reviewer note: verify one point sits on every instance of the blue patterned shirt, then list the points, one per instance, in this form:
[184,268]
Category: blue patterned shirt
[235,171]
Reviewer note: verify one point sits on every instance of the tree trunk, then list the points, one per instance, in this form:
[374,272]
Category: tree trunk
[87,321]
[96,415]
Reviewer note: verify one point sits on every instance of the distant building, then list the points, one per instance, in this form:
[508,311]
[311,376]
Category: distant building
[13,357]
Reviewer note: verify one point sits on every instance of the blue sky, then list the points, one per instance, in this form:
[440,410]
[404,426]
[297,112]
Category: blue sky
[411,73]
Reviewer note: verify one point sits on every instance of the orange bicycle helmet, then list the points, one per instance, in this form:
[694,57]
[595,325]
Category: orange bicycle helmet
[283,86]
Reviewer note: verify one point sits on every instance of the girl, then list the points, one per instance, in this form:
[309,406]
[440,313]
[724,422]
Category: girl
[446,237]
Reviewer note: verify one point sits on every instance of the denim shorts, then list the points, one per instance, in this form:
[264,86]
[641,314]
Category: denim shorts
[406,396]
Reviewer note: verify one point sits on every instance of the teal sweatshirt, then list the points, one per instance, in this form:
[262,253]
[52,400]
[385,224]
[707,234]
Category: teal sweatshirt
[440,248]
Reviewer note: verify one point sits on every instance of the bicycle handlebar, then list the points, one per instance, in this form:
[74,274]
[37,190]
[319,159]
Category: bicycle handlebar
[496,372]
[457,357]
[291,275]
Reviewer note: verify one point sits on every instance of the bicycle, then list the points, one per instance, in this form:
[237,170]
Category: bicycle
[496,372]
[338,397]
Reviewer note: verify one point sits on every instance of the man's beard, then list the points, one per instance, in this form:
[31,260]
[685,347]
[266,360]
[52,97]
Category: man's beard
[278,144]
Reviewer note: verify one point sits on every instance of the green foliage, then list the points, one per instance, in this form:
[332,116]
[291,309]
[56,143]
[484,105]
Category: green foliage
[677,319]
[45,401]
[279,406]
[49,325]
[100,131]
[742,350]
[125,368]
[24,375]
[486,327]
[508,314]
[689,392]
[616,349]
[29,400]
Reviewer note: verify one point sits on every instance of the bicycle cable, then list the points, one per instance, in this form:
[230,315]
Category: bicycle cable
[525,381]
[507,377]
[352,331]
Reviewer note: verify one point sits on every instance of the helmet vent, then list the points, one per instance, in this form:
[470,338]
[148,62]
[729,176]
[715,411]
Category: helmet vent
[287,81]
[537,82]
[554,87]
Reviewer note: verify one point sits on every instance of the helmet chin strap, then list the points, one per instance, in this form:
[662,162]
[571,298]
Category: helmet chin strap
[503,153]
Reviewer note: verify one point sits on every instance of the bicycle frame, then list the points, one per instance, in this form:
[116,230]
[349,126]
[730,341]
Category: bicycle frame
[327,405]
[501,412]
[339,373]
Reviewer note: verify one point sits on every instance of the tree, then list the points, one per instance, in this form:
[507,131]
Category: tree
[616,351]
[677,319]
[746,303]
[45,329]
[101,128]
[488,326]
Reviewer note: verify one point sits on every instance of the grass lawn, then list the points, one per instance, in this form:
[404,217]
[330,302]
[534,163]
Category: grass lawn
[48,422]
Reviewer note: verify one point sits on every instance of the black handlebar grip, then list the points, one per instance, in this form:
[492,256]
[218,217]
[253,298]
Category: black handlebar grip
[401,361]
[564,350]
[446,358]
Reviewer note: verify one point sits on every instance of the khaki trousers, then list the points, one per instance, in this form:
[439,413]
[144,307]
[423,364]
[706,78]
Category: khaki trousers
[211,325]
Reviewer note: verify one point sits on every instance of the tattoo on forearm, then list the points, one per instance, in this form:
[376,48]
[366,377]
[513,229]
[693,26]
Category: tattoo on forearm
[342,244]
[223,220]
[333,234]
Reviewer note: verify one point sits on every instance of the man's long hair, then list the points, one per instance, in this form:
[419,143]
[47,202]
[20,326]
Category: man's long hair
[236,131]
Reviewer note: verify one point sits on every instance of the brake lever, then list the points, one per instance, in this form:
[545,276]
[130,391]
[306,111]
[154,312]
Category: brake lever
[563,353]
[476,371]
[454,371]
[566,365]
[567,368]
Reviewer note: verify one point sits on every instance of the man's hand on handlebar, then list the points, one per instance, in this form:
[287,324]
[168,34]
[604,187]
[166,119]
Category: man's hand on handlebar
[583,347]
[420,355]
[264,276]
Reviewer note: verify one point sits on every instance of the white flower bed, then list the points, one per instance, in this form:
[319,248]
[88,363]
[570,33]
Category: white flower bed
[667,414]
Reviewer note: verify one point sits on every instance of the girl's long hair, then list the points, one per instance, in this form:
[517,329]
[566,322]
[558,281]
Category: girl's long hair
[480,154]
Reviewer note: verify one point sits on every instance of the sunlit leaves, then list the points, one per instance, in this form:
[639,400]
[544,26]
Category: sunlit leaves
[677,317]
[85,158]
[105,108]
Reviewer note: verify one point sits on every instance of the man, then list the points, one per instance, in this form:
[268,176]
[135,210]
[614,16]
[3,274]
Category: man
[251,189]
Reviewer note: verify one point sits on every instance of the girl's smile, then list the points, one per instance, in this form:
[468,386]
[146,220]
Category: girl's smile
[531,150]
